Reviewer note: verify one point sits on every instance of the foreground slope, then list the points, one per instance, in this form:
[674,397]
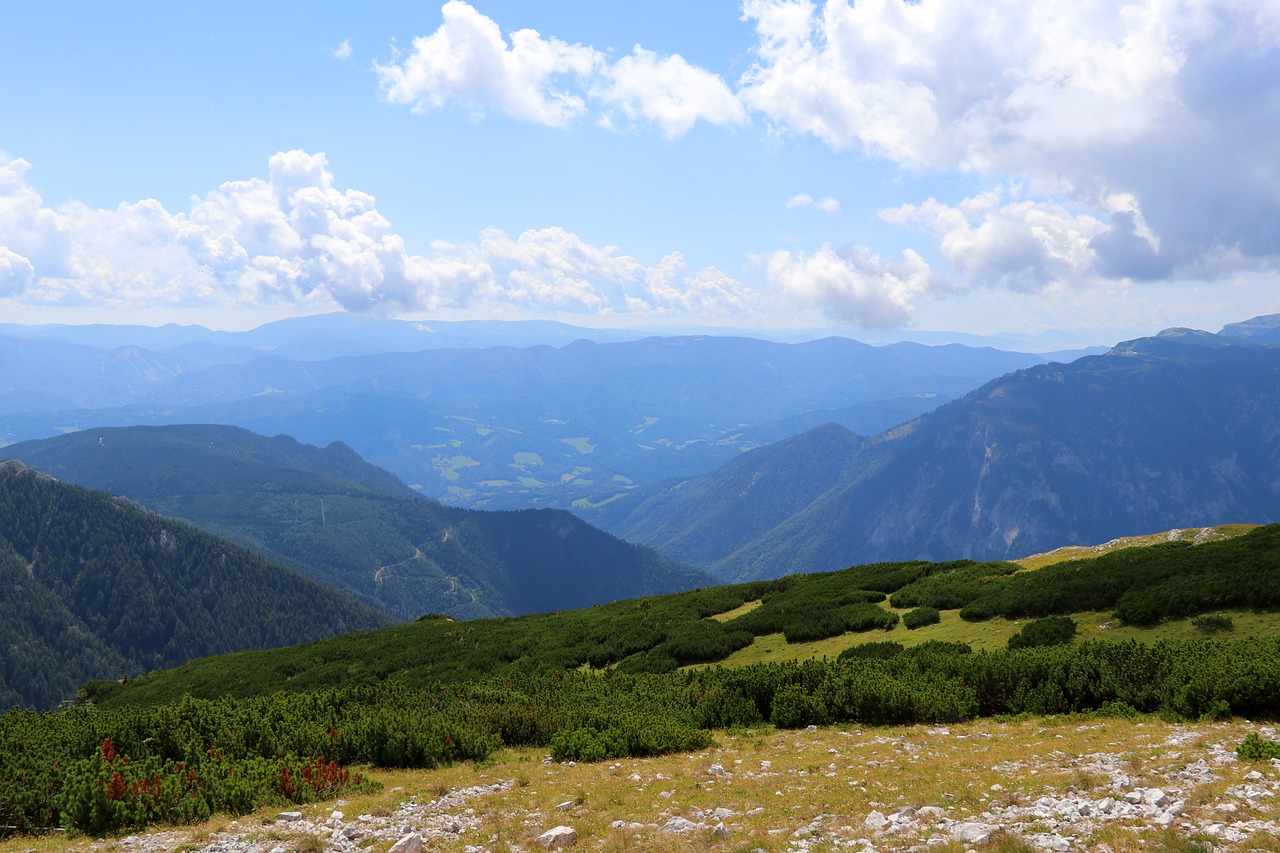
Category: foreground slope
[92,586]
[356,528]
[1182,429]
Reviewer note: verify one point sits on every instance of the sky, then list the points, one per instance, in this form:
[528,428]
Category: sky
[1109,169]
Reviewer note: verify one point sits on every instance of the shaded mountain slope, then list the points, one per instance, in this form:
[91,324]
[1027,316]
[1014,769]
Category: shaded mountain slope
[355,527]
[92,585]
[701,519]
[1179,429]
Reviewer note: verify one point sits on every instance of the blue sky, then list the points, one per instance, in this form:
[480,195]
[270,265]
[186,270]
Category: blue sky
[1109,169]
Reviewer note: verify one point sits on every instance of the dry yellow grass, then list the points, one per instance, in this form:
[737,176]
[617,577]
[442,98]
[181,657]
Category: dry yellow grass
[1196,535]
[784,786]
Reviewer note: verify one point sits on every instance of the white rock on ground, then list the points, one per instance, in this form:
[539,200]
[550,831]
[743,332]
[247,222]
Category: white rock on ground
[682,826]
[560,836]
[411,843]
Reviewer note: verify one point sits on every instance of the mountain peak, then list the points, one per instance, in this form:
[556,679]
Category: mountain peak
[1179,341]
[1264,329]
[13,466]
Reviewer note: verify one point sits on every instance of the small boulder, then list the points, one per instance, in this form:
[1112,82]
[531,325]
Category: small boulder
[1155,797]
[289,817]
[682,826]
[560,836]
[411,843]
[972,833]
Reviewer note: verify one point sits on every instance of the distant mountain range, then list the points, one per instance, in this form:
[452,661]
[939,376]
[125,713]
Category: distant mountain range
[93,586]
[476,425]
[355,527]
[317,337]
[1182,429]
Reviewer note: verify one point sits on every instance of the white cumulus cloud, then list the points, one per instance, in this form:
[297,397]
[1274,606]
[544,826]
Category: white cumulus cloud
[1016,243]
[669,92]
[1172,104]
[468,63]
[16,273]
[295,239]
[854,284]
[826,205]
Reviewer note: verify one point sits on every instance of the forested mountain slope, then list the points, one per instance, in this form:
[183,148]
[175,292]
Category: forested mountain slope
[356,528]
[92,586]
[1182,429]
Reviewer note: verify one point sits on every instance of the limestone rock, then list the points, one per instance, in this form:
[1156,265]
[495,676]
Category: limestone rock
[560,836]
[972,833]
[411,843]
[682,826]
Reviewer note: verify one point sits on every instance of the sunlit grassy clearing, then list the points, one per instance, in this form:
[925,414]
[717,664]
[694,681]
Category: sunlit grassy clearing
[1197,535]
[737,611]
[990,634]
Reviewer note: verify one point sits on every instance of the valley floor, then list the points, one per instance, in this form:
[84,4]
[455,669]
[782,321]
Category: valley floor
[1079,783]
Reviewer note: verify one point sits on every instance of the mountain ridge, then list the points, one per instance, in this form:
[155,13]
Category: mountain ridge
[504,426]
[357,528]
[1045,456]
[93,583]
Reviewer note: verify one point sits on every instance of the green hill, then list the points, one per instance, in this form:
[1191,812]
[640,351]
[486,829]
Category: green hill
[93,586]
[1140,586]
[356,528]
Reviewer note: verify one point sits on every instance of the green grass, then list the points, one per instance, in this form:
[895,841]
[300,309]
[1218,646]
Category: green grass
[450,466]
[989,635]
[582,444]
[525,459]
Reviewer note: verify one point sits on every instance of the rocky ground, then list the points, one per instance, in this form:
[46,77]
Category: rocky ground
[1100,785]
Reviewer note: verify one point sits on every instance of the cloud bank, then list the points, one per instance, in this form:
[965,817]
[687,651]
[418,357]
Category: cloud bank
[296,240]
[1123,142]
[1141,133]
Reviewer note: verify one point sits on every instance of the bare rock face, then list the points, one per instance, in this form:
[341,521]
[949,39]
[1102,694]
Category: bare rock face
[560,836]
